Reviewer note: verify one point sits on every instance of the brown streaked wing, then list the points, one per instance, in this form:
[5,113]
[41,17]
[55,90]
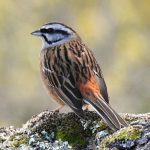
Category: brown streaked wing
[64,84]
[91,67]
[99,76]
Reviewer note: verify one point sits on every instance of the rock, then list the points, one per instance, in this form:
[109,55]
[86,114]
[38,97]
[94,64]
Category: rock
[55,131]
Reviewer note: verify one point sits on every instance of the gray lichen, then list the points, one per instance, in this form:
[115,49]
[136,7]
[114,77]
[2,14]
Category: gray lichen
[55,131]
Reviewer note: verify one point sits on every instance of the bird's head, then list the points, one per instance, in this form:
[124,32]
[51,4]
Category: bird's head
[54,34]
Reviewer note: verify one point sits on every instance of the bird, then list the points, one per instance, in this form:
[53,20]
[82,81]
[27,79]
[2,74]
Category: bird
[72,75]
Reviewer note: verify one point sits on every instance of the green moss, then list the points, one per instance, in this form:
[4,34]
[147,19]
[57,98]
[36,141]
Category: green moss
[72,131]
[16,141]
[102,125]
[73,137]
[129,133]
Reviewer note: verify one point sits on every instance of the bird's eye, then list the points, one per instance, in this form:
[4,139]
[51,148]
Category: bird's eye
[50,30]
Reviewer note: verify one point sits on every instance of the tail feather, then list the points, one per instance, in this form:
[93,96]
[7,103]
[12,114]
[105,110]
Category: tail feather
[123,123]
[109,115]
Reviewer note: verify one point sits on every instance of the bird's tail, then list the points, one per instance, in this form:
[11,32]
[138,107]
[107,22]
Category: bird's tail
[108,114]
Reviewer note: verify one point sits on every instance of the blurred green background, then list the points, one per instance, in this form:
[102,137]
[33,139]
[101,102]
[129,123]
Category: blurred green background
[117,31]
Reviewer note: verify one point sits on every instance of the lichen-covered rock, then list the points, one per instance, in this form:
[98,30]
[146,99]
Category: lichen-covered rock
[55,131]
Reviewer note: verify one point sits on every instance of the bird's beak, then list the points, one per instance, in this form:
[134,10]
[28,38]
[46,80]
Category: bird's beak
[36,33]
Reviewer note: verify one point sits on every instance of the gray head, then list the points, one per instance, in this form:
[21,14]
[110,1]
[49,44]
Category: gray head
[54,34]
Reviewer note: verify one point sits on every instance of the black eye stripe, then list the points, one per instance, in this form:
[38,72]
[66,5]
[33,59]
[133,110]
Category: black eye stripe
[52,31]
[62,32]
[43,30]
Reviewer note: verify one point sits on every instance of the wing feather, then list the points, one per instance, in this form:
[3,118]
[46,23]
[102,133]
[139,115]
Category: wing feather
[64,86]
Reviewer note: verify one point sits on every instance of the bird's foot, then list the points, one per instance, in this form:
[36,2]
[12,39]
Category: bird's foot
[56,110]
[86,107]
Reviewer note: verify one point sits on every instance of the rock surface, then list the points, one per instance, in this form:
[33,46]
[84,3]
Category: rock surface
[55,131]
